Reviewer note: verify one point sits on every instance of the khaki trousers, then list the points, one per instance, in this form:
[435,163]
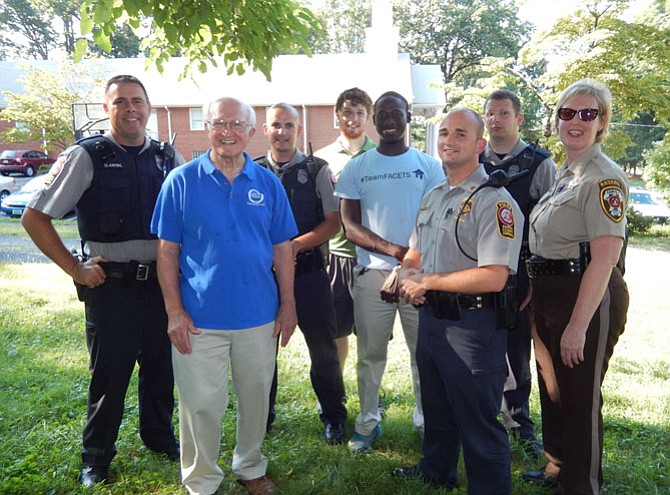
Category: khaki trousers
[202,385]
[374,328]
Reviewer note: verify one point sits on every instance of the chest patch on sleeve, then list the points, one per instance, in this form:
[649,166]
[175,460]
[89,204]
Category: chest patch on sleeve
[611,199]
[505,219]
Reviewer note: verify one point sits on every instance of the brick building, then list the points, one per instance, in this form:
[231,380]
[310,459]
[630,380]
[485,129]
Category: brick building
[311,84]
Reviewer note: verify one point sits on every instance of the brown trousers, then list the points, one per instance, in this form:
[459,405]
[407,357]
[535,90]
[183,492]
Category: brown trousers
[571,399]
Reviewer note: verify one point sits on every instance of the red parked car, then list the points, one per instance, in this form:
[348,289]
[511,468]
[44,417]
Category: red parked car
[26,162]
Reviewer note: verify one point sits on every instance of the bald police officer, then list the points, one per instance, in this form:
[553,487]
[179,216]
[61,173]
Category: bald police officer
[461,345]
[315,208]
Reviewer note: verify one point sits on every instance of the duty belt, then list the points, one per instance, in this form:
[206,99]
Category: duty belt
[467,301]
[438,299]
[131,271]
[540,267]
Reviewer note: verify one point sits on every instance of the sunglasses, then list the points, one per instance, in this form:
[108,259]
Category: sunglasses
[585,114]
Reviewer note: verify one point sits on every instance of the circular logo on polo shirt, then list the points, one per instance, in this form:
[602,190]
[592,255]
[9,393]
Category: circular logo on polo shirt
[255,196]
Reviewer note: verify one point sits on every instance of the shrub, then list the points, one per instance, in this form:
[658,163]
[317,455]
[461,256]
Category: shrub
[638,224]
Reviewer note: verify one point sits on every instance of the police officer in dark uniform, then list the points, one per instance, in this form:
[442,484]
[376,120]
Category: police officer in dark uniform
[458,277]
[315,208]
[114,180]
[507,151]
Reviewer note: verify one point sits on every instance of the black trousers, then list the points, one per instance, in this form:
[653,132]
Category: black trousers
[518,353]
[571,398]
[124,326]
[462,369]
[316,319]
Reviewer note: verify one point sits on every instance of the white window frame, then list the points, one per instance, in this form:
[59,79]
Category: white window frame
[196,119]
[152,125]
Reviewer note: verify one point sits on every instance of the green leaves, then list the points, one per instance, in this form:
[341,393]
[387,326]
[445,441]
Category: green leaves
[46,103]
[246,33]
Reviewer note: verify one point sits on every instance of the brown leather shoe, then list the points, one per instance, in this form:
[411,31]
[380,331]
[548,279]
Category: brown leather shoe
[259,486]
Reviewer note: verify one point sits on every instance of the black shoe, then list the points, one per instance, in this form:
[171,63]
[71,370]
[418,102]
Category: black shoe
[414,472]
[91,475]
[540,478]
[334,433]
[173,452]
[407,472]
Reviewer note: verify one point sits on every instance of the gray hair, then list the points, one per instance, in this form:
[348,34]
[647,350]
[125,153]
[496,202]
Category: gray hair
[246,108]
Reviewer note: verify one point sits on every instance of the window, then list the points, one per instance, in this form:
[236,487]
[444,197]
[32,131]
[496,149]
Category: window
[152,125]
[336,122]
[195,118]
[196,153]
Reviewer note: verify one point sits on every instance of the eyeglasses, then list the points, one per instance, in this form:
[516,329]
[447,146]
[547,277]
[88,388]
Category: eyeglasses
[585,114]
[233,125]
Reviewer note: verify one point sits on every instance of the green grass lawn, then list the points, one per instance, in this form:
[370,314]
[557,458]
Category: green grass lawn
[43,381]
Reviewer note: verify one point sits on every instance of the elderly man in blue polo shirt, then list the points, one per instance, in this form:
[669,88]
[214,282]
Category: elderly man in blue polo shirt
[223,224]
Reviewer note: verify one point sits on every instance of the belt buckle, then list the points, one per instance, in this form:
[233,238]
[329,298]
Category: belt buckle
[142,272]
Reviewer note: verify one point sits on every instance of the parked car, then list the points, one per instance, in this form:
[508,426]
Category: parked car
[647,204]
[8,185]
[14,204]
[26,162]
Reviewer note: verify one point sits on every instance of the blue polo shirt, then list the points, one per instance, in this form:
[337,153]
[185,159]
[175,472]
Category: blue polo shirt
[226,233]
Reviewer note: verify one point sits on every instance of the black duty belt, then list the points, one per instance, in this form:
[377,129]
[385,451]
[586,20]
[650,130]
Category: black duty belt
[449,305]
[540,267]
[446,302]
[132,271]
[467,301]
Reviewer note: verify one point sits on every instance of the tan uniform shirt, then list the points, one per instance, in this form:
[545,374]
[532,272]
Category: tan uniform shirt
[587,201]
[490,227]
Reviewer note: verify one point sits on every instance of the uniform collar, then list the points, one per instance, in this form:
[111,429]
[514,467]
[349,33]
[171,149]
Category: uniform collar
[109,136]
[493,157]
[472,181]
[577,167]
[298,157]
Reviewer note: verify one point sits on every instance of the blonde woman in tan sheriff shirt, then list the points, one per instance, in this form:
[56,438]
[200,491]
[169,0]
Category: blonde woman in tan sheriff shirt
[579,298]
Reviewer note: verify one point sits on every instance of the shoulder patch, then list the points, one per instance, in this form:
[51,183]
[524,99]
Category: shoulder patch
[611,199]
[55,170]
[505,219]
